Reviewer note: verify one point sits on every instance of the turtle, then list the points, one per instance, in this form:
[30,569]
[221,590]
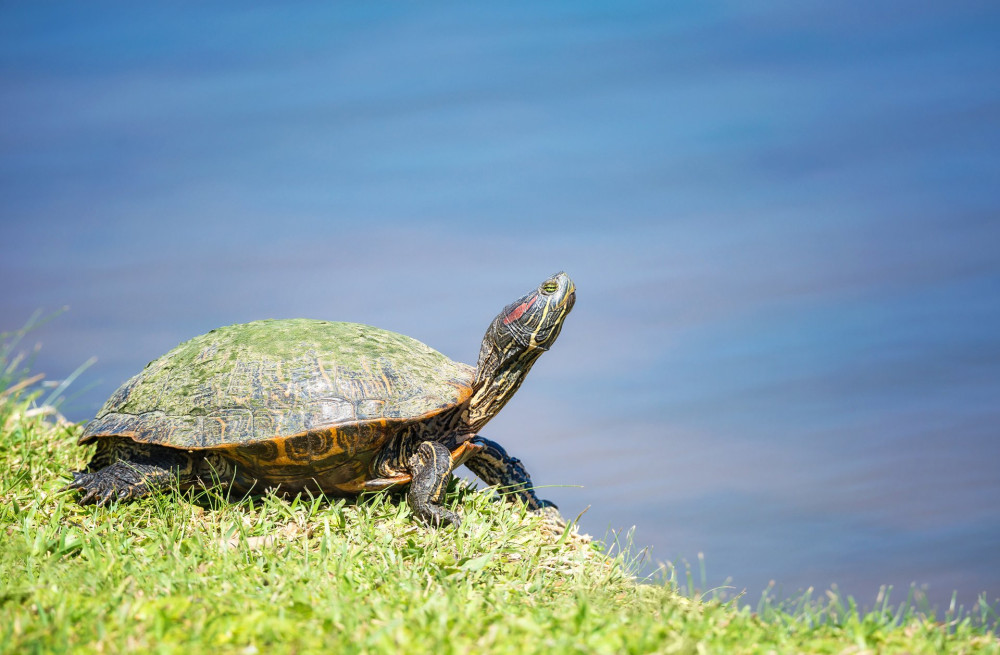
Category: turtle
[313,406]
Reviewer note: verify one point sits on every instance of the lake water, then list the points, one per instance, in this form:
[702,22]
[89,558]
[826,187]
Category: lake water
[782,223]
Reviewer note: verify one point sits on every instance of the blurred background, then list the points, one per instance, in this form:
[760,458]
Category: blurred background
[783,221]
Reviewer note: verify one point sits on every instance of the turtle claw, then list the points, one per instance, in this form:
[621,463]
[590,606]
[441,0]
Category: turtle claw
[74,484]
[550,515]
[100,488]
[438,516]
[81,482]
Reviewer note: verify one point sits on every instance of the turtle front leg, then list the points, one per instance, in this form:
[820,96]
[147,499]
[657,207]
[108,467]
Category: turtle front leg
[491,463]
[134,471]
[430,467]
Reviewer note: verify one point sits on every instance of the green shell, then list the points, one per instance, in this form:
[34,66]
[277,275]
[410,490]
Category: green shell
[267,380]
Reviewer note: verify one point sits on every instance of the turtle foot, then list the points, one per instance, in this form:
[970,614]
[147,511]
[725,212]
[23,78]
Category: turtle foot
[119,482]
[105,486]
[431,467]
[550,516]
[437,516]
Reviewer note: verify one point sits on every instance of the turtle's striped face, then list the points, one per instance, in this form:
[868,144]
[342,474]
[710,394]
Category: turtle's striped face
[524,330]
[534,321]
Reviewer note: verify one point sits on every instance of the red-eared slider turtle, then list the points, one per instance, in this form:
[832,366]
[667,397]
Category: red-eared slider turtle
[337,408]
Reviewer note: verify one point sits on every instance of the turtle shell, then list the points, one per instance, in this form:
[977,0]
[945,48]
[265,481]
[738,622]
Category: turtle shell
[285,391]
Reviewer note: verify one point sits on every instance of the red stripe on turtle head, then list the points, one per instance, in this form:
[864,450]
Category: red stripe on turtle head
[518,311]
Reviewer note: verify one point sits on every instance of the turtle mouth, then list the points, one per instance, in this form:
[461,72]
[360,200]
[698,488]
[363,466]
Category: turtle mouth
[570,300]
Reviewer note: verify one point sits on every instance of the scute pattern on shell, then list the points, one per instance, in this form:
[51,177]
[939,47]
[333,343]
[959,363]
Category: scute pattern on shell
[270,379]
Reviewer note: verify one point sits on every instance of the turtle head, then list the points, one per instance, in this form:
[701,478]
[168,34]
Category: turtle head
[515,339]
[533,321]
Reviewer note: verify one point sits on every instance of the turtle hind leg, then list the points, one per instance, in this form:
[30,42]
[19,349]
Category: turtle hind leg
[491,463]
[124,470]
[430,467]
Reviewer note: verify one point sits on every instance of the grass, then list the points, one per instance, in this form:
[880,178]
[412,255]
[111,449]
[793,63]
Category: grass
[197,573]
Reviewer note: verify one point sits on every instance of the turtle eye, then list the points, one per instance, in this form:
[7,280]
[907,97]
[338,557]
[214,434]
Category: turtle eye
[550,287]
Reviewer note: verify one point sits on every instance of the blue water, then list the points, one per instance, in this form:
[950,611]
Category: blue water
[783,223]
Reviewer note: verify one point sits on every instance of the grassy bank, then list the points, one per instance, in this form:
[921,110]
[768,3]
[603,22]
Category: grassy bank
[196,573]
